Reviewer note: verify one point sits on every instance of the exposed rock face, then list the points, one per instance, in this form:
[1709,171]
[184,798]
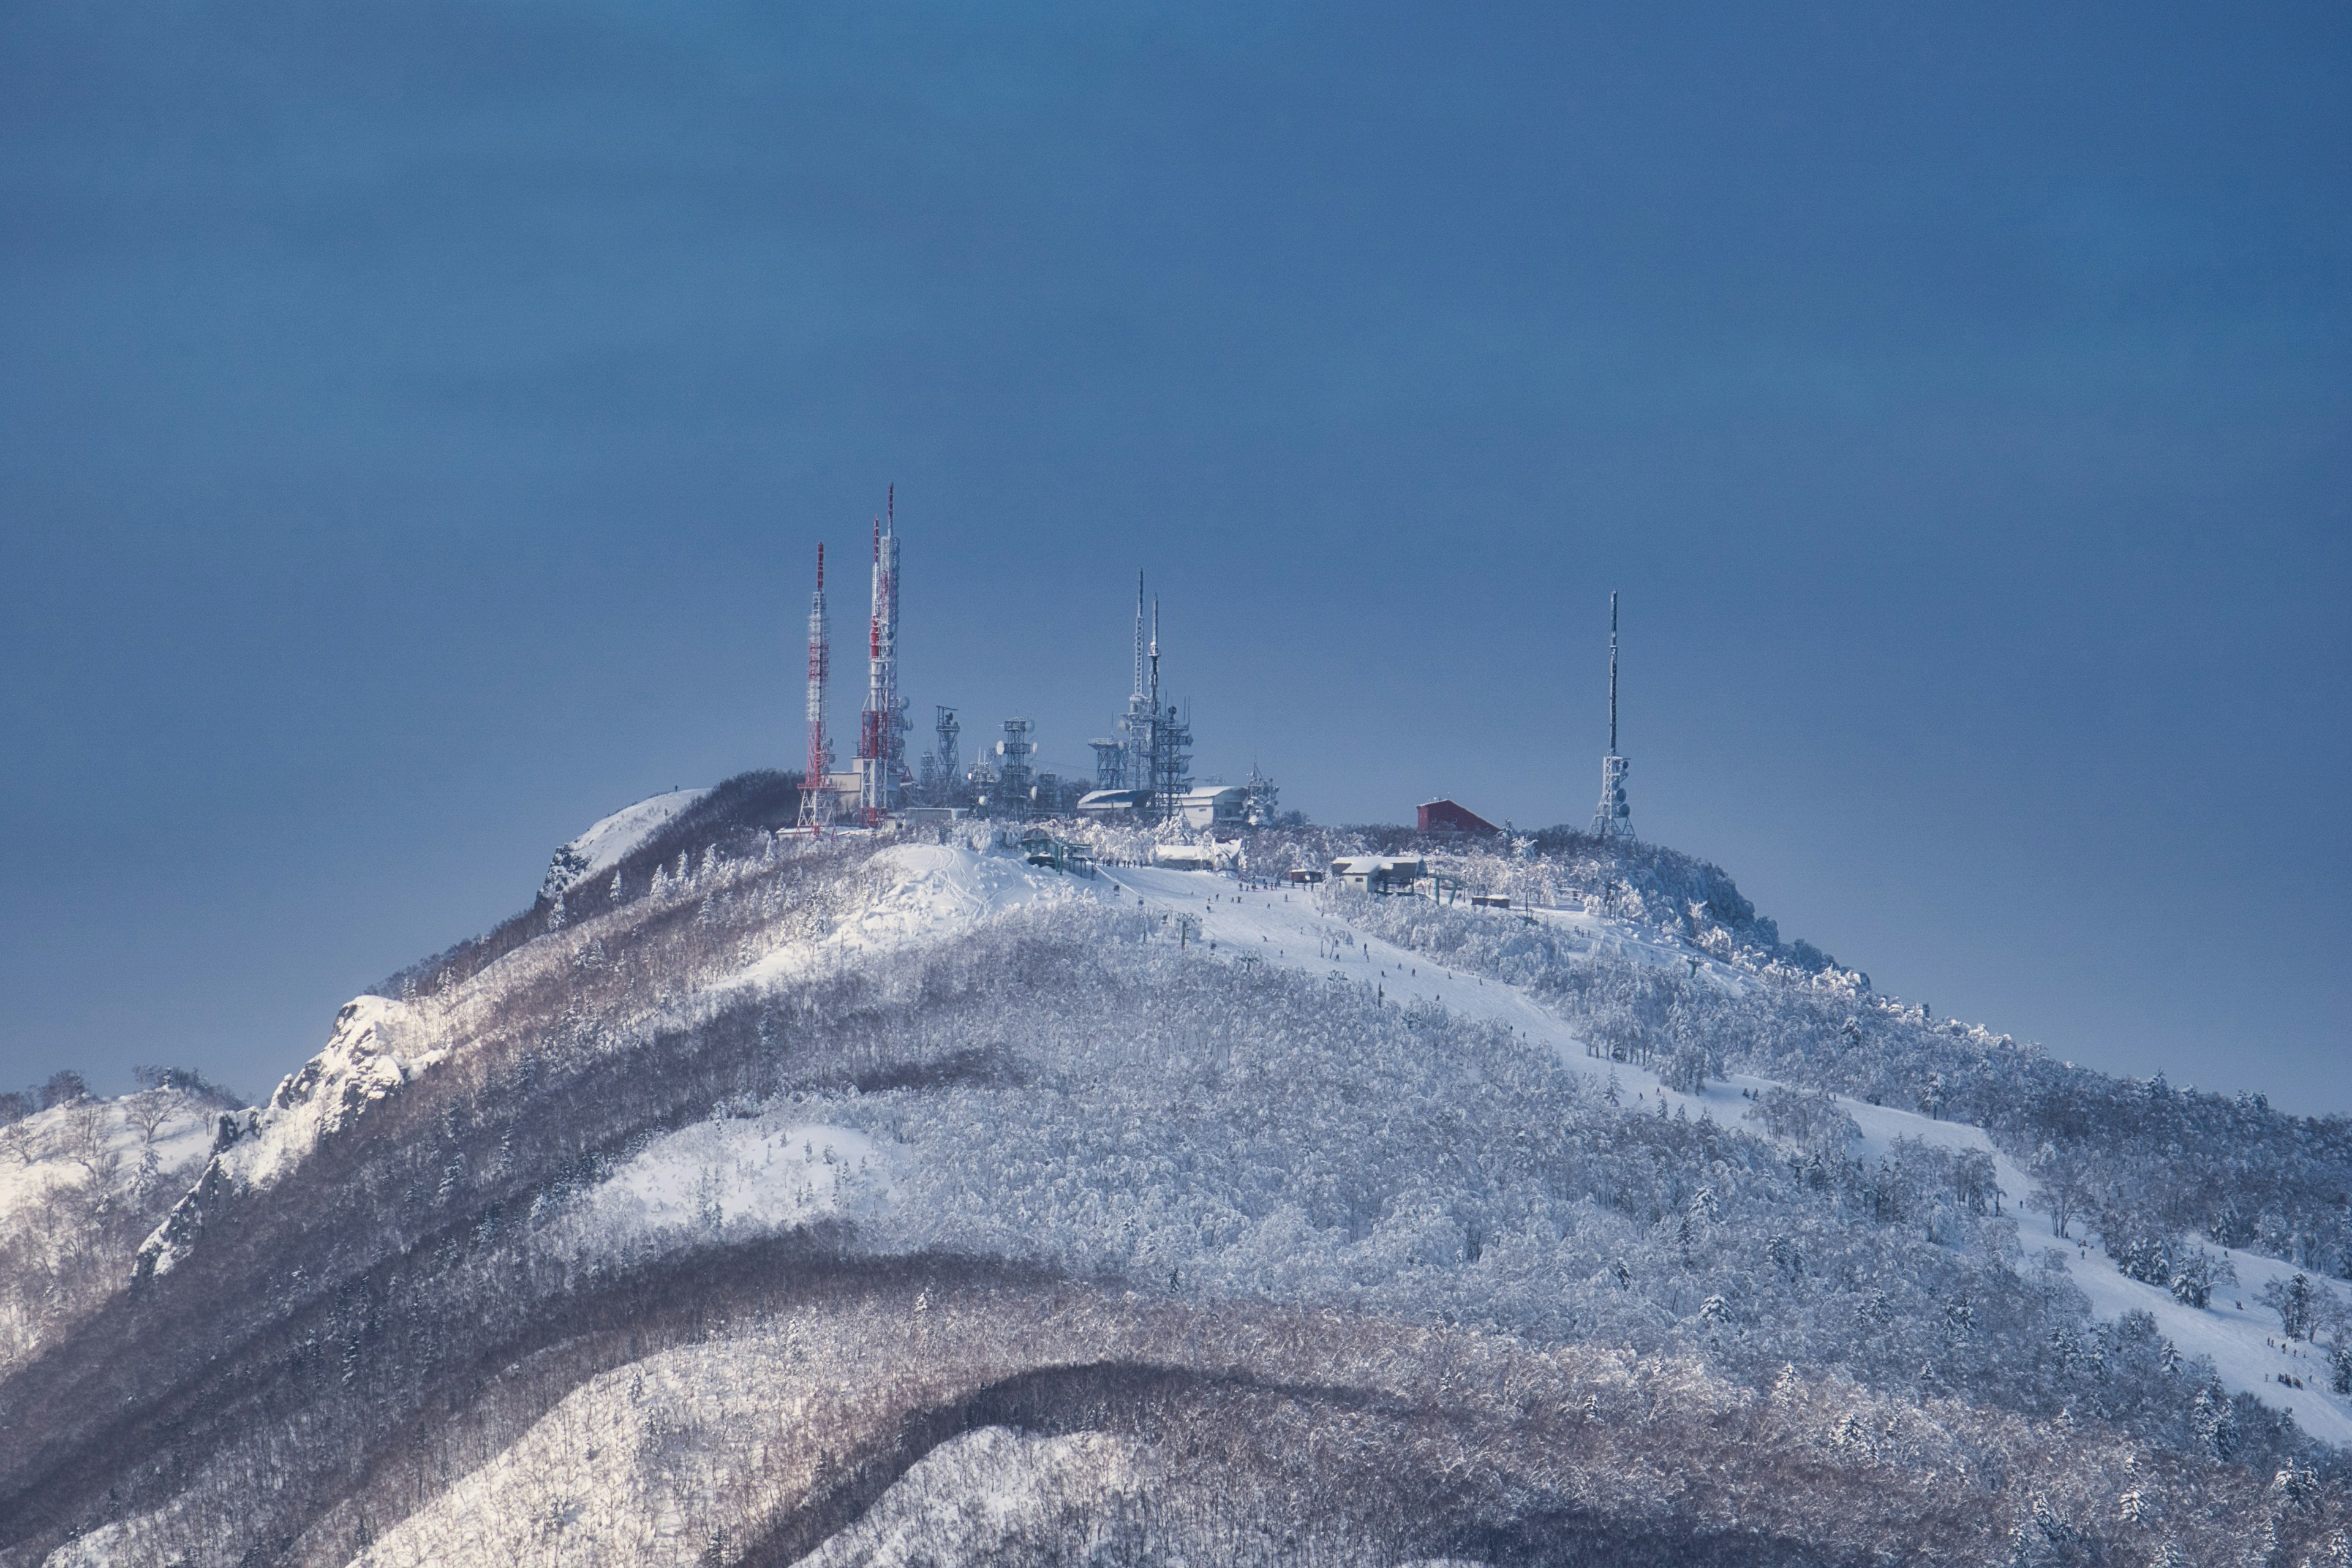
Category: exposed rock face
[258,1146]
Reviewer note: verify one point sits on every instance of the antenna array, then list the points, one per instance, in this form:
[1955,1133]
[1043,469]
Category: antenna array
[1614,817]
[817,799]
[881,739]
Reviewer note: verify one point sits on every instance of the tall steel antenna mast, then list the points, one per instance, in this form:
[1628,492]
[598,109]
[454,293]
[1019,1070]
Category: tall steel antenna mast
[950,760]
[816,800]
[1155,730]
[1136,724]
[1612,672]
[1171,742]
[1139,634]
[884,722]
[1614,817]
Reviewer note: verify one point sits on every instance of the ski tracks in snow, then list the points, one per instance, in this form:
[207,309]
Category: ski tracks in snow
[1293,929]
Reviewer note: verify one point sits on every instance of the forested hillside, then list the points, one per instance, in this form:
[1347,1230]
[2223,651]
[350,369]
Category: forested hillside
[887,1199]
[2133,1157]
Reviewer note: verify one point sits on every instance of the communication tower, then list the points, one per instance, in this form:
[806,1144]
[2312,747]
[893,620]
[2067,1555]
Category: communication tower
[1168,770]
[881,739]
[1111,763]
[944,754]
[1016,773]
[1614,817]
[816,800]
[1136,724]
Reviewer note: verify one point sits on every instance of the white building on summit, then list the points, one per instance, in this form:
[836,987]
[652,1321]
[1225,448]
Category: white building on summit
[1214,805]
[1379,873]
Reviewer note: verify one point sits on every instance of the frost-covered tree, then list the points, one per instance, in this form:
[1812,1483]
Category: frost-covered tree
[2061,1183]
[563,871]
[2296,1302]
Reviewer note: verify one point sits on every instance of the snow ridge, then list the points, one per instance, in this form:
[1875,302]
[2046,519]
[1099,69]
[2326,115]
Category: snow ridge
[259,1147]
[609,840]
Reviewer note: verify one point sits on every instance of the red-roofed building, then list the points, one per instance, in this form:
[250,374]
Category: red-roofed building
[1444,817]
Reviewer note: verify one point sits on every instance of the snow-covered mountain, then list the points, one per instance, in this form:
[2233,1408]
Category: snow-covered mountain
[889,1198]
[611,839]
[80,1180]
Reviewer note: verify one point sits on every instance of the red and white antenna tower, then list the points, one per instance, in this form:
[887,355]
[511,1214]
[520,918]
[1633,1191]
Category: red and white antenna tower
[816,800]
[881,735]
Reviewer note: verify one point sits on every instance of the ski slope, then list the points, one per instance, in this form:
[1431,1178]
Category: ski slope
[2240,1338]
[1293,929]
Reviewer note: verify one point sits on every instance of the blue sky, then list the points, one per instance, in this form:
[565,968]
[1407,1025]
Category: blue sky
[415,425]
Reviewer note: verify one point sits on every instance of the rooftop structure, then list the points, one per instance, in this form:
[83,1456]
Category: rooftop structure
[1379,873]
[1171,749]
[939,784]
[1445,816]
[1214,805]
[1144,771]
[1262,809]
[1113,802]
[1151,756]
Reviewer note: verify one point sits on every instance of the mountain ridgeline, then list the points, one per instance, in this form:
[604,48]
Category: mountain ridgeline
[888,1199]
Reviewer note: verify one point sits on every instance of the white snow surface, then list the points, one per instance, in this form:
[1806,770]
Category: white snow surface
[995,1495]
[73,1144]
[736,1176]
[363,1062]
[2241,1338]
[928,893]
[611,838]
[768,1172]
[1300,929]
[987,1493]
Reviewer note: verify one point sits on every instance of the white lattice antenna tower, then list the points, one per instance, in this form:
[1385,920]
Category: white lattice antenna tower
[882,730]
[1156,731]
[816,800]
[1016,770]
[1136,724]
[1613,818]
[946,753]
[1172,741]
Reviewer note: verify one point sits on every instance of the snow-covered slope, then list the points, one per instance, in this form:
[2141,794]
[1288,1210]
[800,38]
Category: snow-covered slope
[932,893]
[732,1176]
[362,1064]
[101,1149]
[2241,1339]
[610,839]
[78,1183]
[1293,929]
[898,1202]
[921,895]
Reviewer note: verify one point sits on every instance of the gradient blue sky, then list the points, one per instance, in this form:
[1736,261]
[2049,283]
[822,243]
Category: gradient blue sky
[415,422]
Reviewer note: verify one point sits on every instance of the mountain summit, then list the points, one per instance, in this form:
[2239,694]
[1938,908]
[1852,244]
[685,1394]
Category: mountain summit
[929,1197]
